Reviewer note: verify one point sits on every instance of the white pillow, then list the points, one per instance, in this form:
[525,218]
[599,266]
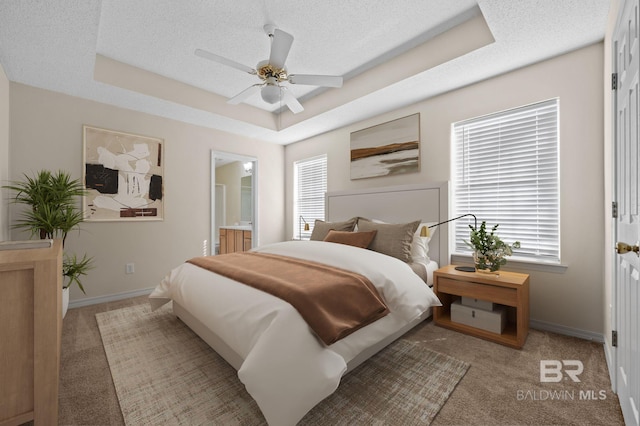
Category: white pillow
[420,245]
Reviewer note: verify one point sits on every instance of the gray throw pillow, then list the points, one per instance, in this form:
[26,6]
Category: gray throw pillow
[322,228]
[391,239]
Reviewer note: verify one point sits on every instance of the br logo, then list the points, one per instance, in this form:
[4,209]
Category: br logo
[553,370]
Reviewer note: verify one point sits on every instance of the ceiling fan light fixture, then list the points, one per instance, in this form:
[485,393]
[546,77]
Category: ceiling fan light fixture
[270,93]
[273,74]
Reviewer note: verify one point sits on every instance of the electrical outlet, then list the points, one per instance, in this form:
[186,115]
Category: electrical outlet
[130,268]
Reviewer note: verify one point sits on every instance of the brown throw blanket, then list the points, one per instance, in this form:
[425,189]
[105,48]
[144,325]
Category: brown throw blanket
[334,302]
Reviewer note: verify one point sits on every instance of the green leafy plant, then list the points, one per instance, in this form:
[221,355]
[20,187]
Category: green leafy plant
[74,268]
[490,251]
[52,212]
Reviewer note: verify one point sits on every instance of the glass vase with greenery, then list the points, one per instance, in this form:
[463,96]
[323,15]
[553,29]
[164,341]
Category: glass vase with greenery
[52,212]
[489,251]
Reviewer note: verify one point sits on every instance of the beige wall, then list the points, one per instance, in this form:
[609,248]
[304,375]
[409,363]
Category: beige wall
[4,153]
[572,298]
[46,132]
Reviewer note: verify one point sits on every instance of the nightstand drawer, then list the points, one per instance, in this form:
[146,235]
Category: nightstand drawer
[496,294]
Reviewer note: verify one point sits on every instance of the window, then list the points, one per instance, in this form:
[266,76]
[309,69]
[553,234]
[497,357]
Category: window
[506,172]
[310,186]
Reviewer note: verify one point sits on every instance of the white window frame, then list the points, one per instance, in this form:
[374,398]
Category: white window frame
[309,189]
[489,157]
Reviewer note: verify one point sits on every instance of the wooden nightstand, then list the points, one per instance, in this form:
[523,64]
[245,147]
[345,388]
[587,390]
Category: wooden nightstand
[509,289]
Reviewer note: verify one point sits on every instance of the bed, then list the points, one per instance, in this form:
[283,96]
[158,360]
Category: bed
[283,364]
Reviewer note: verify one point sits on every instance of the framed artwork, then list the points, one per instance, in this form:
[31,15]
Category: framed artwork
[123,176]
[390,148]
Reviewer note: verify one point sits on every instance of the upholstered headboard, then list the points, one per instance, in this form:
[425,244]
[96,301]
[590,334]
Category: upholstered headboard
[398,204]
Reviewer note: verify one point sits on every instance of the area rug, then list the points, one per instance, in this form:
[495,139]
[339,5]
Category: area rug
[165,374]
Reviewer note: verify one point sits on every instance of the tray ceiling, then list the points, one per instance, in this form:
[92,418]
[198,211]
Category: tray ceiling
[139,55]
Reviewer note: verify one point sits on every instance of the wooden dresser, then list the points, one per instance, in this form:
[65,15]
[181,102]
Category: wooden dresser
[30,333]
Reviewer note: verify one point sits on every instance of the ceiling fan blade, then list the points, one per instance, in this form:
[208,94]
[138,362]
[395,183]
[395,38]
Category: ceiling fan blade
[316,80]
[291,101]
[224,61]
[280,46]
[246,93]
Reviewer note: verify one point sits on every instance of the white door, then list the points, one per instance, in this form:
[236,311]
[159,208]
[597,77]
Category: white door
[627,195]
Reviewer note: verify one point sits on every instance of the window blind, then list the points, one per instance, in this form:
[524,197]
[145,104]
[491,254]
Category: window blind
[310,179]
[506,172]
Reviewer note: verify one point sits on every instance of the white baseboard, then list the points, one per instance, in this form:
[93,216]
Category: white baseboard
[109,298]
[567,331]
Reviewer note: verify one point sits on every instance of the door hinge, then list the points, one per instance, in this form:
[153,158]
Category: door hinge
[614,209]
[614,81]
[614,338]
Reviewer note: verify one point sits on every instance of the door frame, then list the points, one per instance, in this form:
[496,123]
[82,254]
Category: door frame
[222,155]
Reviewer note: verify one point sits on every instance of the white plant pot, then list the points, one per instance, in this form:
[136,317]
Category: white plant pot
[65,301]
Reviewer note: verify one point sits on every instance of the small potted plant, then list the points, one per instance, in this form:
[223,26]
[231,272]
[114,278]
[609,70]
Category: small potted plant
[52,213]
[489,251]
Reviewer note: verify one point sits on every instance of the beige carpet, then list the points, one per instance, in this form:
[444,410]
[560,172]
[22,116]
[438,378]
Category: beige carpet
[164,374]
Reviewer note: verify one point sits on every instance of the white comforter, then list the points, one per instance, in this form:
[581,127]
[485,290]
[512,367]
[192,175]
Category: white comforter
[286,369]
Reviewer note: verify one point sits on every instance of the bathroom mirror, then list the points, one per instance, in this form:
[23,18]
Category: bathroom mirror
[233,202]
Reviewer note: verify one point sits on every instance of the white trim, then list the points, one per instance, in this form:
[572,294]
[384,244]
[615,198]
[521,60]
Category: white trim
[515,264]
[566,331]
[255,241]
[109,298]
[609,355]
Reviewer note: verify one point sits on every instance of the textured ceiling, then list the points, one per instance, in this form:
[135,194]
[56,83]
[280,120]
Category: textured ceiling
[333,37]
[106,50]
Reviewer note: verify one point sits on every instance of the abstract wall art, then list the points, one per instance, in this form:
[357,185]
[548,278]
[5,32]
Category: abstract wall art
[123,176]
[386,149]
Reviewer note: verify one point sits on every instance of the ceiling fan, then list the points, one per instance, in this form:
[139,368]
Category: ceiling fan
[273,73]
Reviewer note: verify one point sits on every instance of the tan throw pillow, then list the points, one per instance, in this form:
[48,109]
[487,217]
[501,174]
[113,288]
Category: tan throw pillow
[322,228]
[356,239]
[391,239]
